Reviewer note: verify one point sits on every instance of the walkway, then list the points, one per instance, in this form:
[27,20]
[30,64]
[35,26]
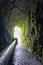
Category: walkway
[22,56]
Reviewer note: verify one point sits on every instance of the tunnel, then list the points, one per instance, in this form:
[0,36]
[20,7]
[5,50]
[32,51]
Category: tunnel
[22,20]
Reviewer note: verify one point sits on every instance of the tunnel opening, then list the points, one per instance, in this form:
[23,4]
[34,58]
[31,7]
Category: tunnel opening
[17,33]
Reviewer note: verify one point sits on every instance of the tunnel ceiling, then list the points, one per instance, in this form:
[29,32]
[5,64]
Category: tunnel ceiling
[22,5]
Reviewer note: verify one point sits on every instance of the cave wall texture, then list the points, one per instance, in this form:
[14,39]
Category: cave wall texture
[28,15]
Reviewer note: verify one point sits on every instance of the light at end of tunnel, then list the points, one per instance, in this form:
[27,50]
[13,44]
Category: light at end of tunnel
[17,33]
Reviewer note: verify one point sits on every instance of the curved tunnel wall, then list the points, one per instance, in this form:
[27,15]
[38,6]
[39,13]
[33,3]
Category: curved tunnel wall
[9,17]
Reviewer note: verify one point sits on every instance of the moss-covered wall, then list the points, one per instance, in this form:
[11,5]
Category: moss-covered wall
[36,30]
[21,20]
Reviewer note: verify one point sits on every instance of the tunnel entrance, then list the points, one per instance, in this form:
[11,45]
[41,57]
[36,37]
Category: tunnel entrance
[17,33]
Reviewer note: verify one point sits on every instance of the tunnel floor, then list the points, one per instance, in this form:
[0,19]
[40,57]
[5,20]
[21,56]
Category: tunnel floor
[22,56]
